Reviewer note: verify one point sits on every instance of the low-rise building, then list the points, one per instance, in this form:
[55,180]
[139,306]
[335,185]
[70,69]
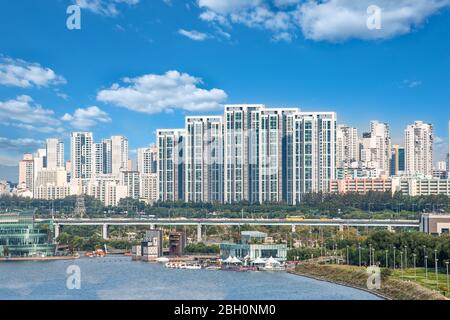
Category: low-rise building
[436,224]
[177,243]
[254,251]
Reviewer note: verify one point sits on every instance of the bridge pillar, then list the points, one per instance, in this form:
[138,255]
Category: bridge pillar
[390,229]
[199,233]
[105,231]
[57,230]
[341,228]
[293,228]
[152,226]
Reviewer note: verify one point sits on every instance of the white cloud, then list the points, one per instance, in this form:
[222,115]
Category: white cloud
[193,34]
[104,7]
[410,84]
[154,93]
[23,113]
[20,144]
[19,73]
[322,20]
[86,118]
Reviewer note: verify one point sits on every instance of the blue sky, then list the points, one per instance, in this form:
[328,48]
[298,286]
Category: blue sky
[138,65]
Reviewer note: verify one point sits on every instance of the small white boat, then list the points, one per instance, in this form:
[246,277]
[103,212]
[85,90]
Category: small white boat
[162,259]
[193,266]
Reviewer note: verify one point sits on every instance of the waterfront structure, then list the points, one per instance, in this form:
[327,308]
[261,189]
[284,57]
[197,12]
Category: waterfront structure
[152,246]
[81,155]
[119,154]
[171,164]
[55,154]
[397,166]
[376,147]
[21,236]
[147,160]
[436,224]
[203,159]
[131,180]
[253,251]
[177,243]
[347,146]
[419,149]
[26,172]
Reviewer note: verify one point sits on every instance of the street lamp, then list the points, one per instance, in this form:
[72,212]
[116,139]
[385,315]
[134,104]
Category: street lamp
[414,261]
[359,254]
[347,256]
[370,254]
[394,257]
[436,270]
[401,262]
[426,267]
[448,287]
[406,257]
[387,258]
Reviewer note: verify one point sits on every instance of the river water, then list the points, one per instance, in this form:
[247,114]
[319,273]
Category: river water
[120,278]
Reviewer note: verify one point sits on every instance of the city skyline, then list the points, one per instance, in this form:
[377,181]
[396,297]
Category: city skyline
[79,81]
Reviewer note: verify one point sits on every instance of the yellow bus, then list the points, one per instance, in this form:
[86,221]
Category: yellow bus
[295,218]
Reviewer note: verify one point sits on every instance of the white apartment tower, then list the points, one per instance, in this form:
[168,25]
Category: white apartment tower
[237,153]
[171,164]
[119,154]
[147,159]
[26,172]
[314,152]
[419,149]
[204,159]
[347,146]
[55,154]
[81,155]
[376,148]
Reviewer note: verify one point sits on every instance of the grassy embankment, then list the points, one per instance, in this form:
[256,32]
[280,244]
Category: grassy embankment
[392,287]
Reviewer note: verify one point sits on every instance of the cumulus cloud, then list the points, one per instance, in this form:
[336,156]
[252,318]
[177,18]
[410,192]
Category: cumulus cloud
[193,34]
[86,118]
[23,113]
[153,93]
[322,20]
[19,73]
[104,7]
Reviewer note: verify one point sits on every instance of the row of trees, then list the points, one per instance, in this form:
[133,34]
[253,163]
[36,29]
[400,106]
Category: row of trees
[350,205]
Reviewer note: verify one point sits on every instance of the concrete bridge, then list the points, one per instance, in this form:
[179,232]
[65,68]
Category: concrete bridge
[199,222]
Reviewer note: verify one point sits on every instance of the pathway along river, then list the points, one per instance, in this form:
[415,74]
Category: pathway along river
[120,278]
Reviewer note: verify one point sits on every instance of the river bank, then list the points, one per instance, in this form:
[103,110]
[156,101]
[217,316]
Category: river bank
[356,277]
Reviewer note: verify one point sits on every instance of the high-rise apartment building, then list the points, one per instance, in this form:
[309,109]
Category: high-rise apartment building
[239,159]
[81,155]
[26,172]
[55,154]
[376,147]
[98,166]
[203,159]
[132,181]
[171,164]
[397,166]
[347,146]
[147,159]
[419,149]
[119,154]
[314,152]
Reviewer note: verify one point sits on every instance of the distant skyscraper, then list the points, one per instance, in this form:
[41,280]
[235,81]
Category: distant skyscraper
[397,166]
[314,152]
[147,160]
[419,148]
[55,154]
[376,147]
[81,155]
[119,154]
[98,158]
[204,159]
[26,171]
[171,164]
[347,146]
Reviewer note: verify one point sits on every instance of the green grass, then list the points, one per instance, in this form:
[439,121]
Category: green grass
[420,278]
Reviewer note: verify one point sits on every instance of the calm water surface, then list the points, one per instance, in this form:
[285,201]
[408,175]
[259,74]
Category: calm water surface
[120,278]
